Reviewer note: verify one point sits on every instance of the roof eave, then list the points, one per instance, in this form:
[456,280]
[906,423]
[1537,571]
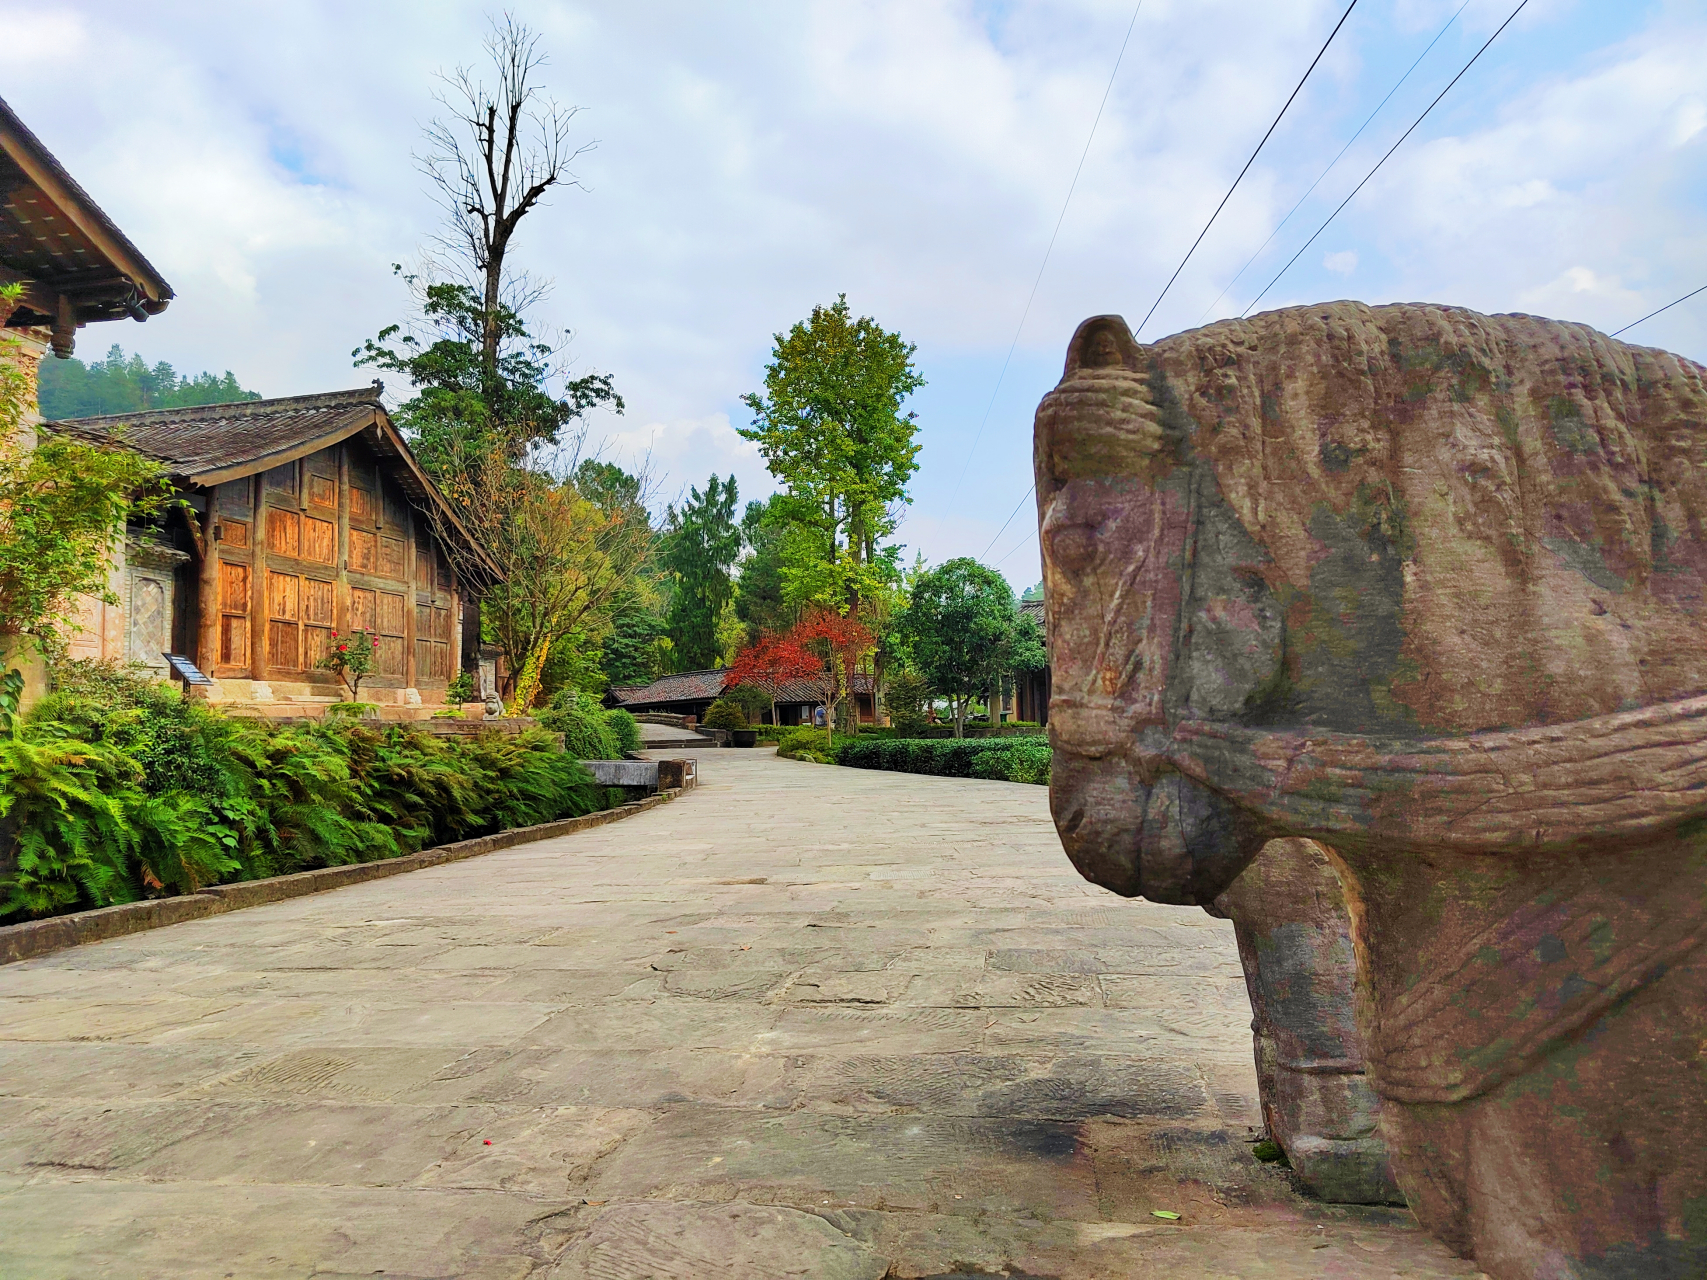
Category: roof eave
[41,167]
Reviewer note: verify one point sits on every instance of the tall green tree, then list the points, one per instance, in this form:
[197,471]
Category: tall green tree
[831,427]
[759,600]
[701,543]
[494,406]
[965,632]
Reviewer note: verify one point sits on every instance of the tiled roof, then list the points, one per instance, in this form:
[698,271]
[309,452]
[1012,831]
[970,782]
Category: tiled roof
[803,691]
[213,442]
[698,686]
[684,686]
[1034,608]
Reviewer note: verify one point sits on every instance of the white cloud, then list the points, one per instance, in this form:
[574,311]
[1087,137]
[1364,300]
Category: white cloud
[756,159]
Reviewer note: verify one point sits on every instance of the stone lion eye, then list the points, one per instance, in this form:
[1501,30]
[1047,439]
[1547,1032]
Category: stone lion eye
[1074,547]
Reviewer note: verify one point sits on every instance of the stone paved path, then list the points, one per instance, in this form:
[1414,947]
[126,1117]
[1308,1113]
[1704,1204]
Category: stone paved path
[804,1022]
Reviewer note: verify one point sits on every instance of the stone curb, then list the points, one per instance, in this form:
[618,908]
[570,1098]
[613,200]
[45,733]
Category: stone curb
[41,937]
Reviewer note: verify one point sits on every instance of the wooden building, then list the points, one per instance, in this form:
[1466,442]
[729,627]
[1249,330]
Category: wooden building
[691,693]
[302,516]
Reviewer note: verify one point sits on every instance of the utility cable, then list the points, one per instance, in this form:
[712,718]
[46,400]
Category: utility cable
[1009,520]
[1383,160]
[1032,297]
[1325,172]
[1018,546]
[1271,128]
[1668,306]
[1242,172]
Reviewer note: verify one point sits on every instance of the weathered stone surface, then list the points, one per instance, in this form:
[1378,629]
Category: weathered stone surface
[1425,586]
[1295,944]
[652,1241]
[624,773]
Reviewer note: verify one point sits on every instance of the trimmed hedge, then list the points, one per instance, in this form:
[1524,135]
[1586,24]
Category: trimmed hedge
[1014,759]
[801,743]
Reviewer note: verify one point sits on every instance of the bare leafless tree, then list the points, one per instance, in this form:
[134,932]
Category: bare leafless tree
[493,158]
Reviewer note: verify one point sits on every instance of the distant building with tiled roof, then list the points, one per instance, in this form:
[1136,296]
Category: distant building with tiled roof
[691,693]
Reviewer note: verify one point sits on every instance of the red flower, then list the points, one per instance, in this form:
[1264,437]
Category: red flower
[342,647]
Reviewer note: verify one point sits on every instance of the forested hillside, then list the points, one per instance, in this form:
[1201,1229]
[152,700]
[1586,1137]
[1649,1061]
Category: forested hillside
[123,384]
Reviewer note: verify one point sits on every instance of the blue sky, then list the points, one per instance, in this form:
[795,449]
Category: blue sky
[755,159]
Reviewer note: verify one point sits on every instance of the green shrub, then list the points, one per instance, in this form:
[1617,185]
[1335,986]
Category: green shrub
[725,713]
[1019,759]
[805,743]
[626,728]
[905,693]
[584,724]
[460,689]
[116,788]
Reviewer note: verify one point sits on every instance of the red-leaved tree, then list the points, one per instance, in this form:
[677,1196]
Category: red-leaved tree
[773,661]
[839,643]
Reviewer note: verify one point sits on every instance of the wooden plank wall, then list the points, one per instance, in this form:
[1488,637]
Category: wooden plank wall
[323,544]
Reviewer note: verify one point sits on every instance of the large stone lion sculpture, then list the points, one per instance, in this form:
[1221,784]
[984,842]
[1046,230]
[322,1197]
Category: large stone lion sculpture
[1425,589]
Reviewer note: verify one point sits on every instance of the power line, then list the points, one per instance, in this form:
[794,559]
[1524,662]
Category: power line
[1009,520]
[1383,160]
[1325,172]
[1018,546]
[1230,190]
[1271,128]
[1032,297]
[1668,306]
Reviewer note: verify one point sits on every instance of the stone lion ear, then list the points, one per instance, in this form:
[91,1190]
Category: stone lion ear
[1102,342]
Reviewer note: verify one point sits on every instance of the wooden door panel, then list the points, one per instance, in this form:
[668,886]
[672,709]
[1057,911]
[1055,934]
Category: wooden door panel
[282,642]
[361,609]
[391,557]
[234,588]
[320,543]
[317,643]
[234,640]
[284,596]
[390,613]
[364,552]
[317,599]
[284,533]
[390,659]
[323,492]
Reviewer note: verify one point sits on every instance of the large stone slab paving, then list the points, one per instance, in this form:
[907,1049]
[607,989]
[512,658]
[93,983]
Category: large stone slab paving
[807,1021]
